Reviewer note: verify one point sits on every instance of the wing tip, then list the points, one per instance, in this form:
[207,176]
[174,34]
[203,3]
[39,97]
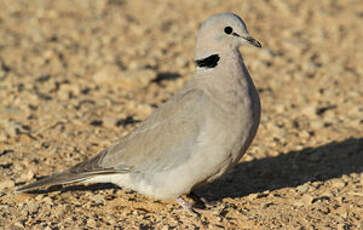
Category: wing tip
[55,179]
[26,188]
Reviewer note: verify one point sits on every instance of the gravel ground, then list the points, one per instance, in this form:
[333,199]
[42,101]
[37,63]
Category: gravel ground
[77,75]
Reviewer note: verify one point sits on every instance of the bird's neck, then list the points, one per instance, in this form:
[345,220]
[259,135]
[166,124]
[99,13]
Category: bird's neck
[225,66]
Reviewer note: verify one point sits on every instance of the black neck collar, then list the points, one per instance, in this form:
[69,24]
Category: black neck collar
[208,62]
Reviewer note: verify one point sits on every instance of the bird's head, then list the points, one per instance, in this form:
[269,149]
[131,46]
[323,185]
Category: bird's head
[222,33]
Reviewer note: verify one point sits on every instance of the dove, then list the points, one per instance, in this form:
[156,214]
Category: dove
[196,136]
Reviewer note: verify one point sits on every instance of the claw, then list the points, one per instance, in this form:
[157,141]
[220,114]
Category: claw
[201,201]
[186,205]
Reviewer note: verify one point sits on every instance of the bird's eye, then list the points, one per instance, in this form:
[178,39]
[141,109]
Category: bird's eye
[228,30]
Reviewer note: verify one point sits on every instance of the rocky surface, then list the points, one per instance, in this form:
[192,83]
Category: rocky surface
[77,75]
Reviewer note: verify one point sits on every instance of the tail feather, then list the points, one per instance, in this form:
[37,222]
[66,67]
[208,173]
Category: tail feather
[68,177]
[56,179]
[80,172]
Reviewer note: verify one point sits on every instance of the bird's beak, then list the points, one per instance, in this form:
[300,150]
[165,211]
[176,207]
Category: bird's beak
[252,41]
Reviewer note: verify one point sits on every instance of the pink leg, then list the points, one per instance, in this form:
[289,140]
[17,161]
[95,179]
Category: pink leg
[187,206]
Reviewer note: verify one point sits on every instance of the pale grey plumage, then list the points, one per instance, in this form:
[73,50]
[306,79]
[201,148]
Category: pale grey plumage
[192,139]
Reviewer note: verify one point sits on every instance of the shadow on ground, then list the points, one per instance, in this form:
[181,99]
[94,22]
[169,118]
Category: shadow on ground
[289,169]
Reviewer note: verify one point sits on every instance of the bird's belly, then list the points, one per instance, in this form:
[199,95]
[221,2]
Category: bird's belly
[166,185]
[243,130]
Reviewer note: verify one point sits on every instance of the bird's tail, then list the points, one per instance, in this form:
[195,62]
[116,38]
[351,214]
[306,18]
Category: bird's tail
[55,179]
[78,173]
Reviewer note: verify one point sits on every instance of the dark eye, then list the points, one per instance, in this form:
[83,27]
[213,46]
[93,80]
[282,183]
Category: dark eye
[228,30]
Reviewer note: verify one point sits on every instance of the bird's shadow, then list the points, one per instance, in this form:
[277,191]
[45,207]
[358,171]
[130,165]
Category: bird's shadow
[76,187]
[289,169]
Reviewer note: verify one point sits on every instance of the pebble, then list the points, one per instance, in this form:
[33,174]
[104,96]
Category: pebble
[303,188]
[98,199]
[304,134]
[17,226]
[253,196]
[26,176]
[7,183]
[66,89]
[337,183]
[317,124]
[299,203]
[3,136]
[10,127]
[33,206]
[280,108]
[107,74]
[307,199]
[91,222]
[109,121]
[309,111]
[141,78]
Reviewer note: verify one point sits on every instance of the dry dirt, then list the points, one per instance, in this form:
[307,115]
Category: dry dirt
[77,75]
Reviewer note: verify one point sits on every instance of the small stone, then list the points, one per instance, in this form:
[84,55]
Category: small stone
[321,199]
[345,178]
[3,137]
[96,123]
[341,226]
[98,199]
[181,62]
[317,124]
[66,90]
[141,78]
[299,203]
[7,184]
[307,199]
[338,183]
[253,196]
[47,200]
[302,188]
[354,175]
[304,134]
[309,111]
[109,121]
[267,205]
[26,176]
[248,158]
[33,206]
[91,222]
[279,108]
[10,127]
[17,226]
[106,74]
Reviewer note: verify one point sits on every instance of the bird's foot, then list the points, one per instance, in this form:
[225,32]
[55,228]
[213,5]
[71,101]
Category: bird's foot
[201,202]
[186,205]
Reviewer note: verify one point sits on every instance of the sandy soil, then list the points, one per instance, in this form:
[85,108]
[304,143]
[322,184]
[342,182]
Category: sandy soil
[77,75]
